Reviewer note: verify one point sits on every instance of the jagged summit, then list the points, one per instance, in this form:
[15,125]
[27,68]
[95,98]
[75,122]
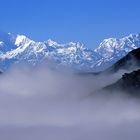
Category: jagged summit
[111,50]
[21,48]
[18,48]
[50,42]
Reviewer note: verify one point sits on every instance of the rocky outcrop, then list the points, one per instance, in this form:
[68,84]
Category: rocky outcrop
[129,83]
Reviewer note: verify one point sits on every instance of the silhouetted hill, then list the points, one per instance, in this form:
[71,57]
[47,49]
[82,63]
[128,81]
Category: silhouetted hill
[129,83]
[130,62]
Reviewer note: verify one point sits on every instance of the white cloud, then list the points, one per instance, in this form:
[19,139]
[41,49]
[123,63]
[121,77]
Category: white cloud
[58,105]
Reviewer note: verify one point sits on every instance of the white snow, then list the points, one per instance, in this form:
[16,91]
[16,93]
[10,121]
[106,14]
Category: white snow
[1,43]
[109,51]
[20,39]
[52,43]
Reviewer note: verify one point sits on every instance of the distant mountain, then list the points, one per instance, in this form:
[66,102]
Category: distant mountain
[111,50]
[19,48]
[129,83]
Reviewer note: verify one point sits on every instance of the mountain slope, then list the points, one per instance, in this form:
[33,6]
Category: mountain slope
[130,62]
[129,83]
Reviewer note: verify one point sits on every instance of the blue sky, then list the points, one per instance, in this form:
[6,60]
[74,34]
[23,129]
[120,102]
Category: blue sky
[86,21]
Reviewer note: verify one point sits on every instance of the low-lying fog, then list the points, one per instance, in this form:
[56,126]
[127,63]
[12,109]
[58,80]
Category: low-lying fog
[44,104]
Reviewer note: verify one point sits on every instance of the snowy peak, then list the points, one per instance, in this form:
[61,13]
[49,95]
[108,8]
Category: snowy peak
[51,43]
[113,49]
[1,43]
[133,36]
[114,42]
[132,41]
[20,39]
[19,48]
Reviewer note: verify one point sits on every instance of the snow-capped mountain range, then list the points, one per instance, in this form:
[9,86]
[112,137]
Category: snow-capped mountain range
[19,48]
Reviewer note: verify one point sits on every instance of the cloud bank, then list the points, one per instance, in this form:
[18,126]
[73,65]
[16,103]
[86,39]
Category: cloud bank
[47,104]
